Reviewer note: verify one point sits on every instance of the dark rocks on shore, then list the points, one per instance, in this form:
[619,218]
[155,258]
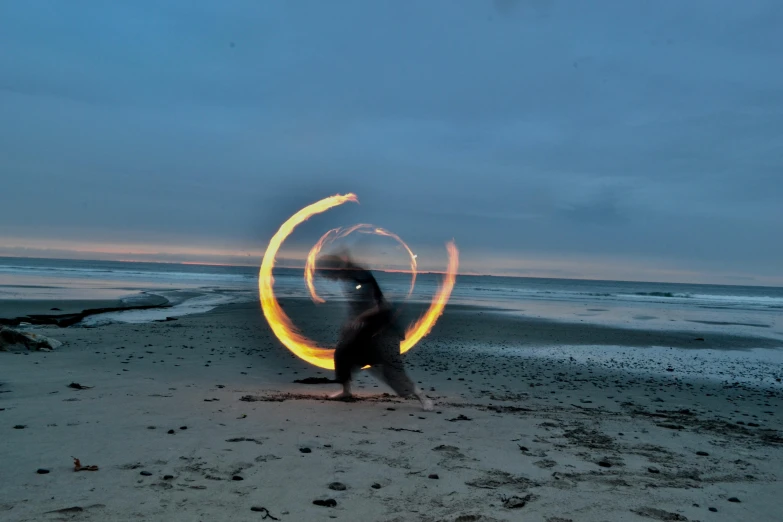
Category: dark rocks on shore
[65,320]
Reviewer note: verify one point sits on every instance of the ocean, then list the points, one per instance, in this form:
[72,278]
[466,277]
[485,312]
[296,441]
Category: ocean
[196,288]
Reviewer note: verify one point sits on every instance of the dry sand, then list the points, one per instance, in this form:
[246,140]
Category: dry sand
[199,419]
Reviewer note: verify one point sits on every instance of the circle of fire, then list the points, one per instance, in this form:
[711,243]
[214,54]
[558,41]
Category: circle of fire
[338,233]
[289,335]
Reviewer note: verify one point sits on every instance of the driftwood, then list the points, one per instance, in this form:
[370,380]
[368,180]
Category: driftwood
[10,337]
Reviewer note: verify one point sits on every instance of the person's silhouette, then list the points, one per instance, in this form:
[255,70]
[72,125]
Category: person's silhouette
[371,336]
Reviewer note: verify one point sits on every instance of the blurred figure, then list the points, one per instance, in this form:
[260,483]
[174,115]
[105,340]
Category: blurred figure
[371,335]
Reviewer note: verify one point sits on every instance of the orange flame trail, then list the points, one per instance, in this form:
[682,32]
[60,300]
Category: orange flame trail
[281,324]
[337,233]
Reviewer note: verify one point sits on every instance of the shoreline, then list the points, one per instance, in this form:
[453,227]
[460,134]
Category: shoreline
[71,312]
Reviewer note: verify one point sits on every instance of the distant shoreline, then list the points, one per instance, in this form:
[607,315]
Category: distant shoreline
[291,266]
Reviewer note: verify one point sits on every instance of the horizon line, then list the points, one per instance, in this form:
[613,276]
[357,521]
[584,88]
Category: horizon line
[402,271]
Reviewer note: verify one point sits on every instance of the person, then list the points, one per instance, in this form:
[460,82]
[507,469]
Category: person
[371,336]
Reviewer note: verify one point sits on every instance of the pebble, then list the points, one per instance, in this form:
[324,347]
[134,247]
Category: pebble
[168,477]
[337,486]
[604,463]
[305,450]
[433,476]
[329,502]
[237,477]
[702,454]
[42,471]
[183,427]
[733,499]
[145,474]
[652,469]
[376,486]
[170,432]
[20,426]
[714,510]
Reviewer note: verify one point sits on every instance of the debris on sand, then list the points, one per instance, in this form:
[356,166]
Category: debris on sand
[315,380]
[77,466]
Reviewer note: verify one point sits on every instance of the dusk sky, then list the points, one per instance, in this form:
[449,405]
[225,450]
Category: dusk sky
[615,139]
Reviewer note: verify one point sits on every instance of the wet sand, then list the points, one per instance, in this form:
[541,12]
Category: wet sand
[199,419]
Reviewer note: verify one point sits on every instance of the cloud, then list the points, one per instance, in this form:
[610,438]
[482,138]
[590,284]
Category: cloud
[565,129]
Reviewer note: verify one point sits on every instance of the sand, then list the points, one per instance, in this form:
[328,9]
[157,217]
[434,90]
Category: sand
[199,419]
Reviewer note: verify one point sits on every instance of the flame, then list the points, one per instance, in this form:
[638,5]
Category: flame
[281,324]
[425,323]
[337,233]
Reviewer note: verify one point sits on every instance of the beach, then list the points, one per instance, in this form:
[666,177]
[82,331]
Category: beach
[200,418]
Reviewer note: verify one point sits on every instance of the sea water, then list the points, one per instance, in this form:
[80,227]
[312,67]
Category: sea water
[197,288]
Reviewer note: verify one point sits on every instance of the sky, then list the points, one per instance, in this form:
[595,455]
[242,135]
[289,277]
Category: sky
[613,139]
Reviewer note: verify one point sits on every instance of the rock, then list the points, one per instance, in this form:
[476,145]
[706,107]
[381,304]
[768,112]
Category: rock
[42,471]
[702,454]
[10,337]
[733,499]
[171,432]
[659,514]
[237,477]
[337,486]
[433,476]
[183,427]
[145,474]
[77,386]
[604,463]
[653,469]
[20,426]
[714,510]
[516,502]
[375,485]
[305,450]
[329,502]
[168,477]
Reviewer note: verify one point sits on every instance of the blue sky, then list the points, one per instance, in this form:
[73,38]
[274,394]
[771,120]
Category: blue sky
[611,139]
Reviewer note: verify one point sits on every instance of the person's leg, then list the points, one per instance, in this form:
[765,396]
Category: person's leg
[391,371]
[343,368]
